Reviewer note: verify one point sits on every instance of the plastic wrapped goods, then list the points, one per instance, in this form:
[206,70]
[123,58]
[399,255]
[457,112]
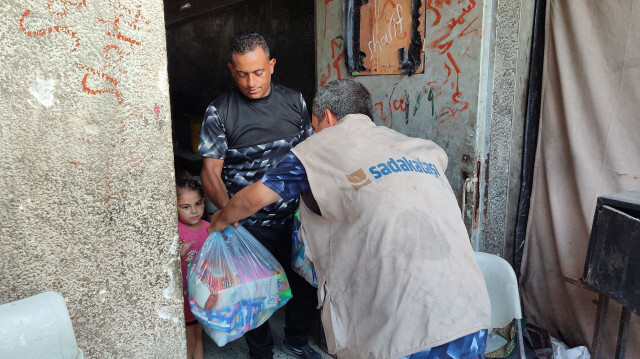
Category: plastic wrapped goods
[234,285]
[299,264]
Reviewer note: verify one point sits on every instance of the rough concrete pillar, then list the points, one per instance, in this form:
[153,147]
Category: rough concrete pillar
[508,27]
[87,188]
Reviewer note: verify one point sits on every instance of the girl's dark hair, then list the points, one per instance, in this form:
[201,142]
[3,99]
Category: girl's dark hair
[186,182]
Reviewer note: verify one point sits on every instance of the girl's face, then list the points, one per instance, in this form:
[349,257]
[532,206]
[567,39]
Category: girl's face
[190,208]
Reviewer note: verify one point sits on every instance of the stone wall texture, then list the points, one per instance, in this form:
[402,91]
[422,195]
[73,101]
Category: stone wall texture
[86,185]
[513,32]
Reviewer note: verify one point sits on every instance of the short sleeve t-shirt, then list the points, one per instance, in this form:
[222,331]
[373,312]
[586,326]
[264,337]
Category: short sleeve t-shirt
[252,136]
[288,179]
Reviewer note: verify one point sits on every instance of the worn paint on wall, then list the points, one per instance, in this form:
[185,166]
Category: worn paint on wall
[441,104]
[87,186]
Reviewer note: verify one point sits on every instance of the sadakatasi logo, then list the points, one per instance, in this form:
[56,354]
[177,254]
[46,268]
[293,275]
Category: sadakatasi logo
[359,178]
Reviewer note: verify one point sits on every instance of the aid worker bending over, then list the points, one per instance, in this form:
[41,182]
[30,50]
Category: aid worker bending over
[396,273]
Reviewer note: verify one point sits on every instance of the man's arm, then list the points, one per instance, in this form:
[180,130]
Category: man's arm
[212,182]
[212,147]
[243,204]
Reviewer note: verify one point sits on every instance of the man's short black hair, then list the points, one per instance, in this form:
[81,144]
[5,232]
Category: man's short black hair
[247,42]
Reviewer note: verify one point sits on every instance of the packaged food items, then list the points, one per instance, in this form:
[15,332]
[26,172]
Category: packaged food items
[234,284]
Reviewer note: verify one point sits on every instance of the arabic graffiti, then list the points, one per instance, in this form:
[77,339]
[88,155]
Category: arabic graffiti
[452,30]
[399,103]
[59,9]
[336,56]
[124,28]
[445,34]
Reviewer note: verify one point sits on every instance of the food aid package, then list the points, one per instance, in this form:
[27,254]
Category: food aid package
[234,284]
[298,262]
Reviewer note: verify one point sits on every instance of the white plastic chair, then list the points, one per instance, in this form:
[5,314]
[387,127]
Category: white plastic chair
[502,286]
[37,327]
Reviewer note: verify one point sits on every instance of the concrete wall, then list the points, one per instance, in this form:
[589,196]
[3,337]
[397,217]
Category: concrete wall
[460,66]
[87,189]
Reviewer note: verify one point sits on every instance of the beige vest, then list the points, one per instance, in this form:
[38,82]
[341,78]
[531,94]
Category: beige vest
[396,272]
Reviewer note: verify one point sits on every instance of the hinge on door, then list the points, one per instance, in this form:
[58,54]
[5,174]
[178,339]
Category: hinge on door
[470,185]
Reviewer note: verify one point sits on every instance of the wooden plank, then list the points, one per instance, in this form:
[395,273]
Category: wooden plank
[385,27]
[625,318]
[601,320]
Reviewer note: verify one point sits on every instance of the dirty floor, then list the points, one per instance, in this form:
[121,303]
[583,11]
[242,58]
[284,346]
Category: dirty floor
[237,349]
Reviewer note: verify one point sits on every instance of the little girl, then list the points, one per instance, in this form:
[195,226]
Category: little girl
[192,231]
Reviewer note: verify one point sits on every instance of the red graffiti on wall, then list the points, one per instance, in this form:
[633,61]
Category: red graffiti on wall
[336,44]
[445,34]
[398,103]
[435,7]
[126,23]
[124,27]
[60,8]
[156,110]
[99,75]
[47,30]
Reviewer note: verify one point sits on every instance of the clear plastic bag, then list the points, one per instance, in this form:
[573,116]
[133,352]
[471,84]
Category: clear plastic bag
[234,285]
[299,264]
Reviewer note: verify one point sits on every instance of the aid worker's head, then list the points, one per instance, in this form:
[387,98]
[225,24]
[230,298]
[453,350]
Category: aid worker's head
[251,66]
[337,99]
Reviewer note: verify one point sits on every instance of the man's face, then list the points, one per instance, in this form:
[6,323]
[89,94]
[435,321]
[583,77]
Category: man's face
[252,73]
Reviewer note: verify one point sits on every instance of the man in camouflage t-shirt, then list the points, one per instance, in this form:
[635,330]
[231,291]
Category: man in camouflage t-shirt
[246,132]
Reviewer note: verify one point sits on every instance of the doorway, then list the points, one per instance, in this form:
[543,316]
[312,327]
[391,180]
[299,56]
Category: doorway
[198,35]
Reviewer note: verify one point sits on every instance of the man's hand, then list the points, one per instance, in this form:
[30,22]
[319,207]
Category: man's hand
[245,203]
[217,224]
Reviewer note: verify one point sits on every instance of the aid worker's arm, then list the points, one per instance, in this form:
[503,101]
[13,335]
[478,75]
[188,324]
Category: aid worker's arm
[243,204]
[212,182]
